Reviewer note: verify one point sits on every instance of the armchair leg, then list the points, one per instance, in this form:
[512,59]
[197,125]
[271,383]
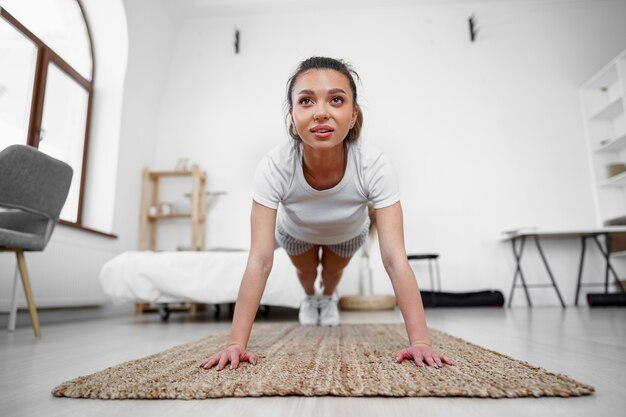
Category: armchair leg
[21,262]
[13,315]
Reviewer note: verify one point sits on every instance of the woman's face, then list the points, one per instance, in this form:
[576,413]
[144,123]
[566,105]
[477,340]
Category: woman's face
[323,111]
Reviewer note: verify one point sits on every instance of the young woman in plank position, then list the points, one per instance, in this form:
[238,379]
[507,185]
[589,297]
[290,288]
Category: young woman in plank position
[311,196]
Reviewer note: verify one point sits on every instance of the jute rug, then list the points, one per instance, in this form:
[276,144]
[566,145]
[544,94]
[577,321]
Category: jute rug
[348,360]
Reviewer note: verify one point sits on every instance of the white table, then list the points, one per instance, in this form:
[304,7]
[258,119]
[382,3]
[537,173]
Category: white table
[614,241]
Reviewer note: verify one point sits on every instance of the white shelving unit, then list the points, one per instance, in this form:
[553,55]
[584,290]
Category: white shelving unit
[603,100]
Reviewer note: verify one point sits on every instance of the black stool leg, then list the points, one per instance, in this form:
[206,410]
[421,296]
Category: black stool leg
[607,240]
[438,275]
[430,275]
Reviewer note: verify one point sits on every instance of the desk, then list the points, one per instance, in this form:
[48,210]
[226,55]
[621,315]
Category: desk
[614,240]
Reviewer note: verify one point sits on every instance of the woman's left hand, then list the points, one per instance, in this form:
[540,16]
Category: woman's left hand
[421,353]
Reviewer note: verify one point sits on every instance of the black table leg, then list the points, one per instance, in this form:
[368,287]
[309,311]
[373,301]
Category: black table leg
[580,268]
[545,262]
[516,272]
[518,269]
[606,252]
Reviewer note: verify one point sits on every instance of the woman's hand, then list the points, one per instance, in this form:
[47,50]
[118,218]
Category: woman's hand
[420,353]
[234,353]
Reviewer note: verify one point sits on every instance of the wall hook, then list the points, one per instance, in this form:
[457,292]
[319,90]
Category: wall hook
[472,28]
[236,41]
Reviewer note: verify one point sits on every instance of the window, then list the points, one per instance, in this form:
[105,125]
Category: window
[18,61]
[46,85]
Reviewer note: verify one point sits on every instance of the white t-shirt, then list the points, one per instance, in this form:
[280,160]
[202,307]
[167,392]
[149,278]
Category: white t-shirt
[330,216]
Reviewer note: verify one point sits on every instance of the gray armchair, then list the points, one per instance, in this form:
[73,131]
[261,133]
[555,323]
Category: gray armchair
[33,189]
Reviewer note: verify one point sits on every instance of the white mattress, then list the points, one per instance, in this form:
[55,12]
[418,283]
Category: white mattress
[205,277]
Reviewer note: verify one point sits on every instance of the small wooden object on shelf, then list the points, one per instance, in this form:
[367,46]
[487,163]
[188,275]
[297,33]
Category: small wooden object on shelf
[152,214]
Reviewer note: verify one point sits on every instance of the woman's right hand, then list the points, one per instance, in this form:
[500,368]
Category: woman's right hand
[234,353]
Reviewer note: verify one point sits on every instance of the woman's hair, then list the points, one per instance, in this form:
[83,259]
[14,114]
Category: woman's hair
[324,63]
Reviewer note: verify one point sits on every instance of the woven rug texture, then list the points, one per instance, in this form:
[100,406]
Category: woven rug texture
[347,360]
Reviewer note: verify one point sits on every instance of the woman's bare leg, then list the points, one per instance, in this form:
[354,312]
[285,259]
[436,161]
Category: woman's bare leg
[332,269]
[306,268]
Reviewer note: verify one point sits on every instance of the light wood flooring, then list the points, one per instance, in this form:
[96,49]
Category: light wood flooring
[586,344]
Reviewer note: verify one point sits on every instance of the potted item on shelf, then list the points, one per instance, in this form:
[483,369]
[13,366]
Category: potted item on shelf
[181,165]
[615,169]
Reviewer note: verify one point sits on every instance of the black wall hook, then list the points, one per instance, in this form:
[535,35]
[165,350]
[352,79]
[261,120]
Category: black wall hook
[472,28]
[236,41]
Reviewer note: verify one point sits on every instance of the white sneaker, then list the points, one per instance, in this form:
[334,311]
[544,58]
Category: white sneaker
[309,311]
[329,312]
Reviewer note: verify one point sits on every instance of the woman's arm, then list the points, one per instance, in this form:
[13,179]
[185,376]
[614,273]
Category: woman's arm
[259,266]
[393,253]
[260,258]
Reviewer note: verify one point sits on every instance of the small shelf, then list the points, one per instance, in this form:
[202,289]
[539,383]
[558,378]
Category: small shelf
[170,216]
[603,105]
[616,181]
[615,145]
[612,110]
[158,174]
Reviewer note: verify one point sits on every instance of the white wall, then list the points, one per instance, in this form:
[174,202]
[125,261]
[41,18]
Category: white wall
[151,34]
[485,136]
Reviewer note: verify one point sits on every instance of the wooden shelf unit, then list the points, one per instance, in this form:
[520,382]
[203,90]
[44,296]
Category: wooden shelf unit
[150,218]
[603,99]
[150,204]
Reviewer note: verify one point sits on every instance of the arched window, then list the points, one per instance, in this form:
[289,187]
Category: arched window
[46,85]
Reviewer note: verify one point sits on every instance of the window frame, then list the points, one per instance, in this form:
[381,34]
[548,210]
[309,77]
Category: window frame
[46,56]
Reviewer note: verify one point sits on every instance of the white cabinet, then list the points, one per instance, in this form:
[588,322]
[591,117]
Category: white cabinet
[603,103]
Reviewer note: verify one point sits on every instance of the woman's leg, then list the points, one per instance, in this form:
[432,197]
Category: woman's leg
[332,269]
[306,268]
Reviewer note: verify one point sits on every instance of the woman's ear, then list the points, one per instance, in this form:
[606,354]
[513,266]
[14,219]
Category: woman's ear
[292,126]
[355,113]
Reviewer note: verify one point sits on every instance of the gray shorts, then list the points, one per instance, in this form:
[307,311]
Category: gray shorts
[345,249]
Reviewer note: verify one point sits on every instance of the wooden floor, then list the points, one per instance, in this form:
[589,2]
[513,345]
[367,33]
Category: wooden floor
[586,344]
